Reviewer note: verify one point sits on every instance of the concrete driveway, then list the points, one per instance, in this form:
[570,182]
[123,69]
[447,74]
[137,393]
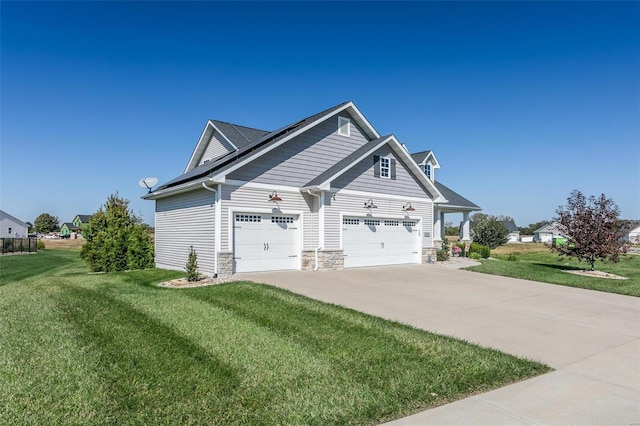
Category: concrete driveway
[591,339]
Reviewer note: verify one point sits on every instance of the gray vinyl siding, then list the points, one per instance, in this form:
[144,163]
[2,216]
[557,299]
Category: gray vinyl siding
[216,147]
[361,178]
[243,199]
[186,220]
[349,204]
[301,159]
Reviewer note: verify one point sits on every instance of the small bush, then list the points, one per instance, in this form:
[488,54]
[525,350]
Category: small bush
[443,254]
[192,266]
[512,257]
[475,256]
[483,251]
[40,245]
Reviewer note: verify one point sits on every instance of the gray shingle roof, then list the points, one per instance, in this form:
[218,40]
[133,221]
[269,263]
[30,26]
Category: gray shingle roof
[255,146]
[419,157]
[510,225]
[84,218]
[240,136]
[454,198]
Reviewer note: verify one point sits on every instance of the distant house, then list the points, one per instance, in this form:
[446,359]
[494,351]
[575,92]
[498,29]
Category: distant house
[514,232]
[67,229]
[634,235]
[11,226]
[81,220]
[548,232]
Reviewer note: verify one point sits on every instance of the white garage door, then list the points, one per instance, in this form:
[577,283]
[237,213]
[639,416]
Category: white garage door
[379,241]
[265,242]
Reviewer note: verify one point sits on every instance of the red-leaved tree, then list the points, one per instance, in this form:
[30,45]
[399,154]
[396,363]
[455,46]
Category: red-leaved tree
[592,229]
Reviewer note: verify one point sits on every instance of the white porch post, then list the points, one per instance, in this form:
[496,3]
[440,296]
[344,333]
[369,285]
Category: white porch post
[465,227]
[437,225]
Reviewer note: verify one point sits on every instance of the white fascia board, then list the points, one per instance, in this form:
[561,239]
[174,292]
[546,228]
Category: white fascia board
[436,164]
[204,138]
[379,195]
[196,149]
[186,187]
[362,121]
[419,174]
[448,206]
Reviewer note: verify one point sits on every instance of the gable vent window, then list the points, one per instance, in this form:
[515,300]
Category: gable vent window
[344,126]
[427,170]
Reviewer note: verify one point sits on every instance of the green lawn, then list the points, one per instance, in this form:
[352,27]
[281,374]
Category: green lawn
[548,267]
[79,348]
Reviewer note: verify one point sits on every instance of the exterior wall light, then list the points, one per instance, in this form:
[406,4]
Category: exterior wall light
[408,208]
[274,196]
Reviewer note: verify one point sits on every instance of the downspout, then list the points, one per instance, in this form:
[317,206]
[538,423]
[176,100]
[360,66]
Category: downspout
[215,249]
[315,268]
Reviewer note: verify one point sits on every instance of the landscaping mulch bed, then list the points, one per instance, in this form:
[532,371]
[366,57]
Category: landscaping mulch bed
[596,274]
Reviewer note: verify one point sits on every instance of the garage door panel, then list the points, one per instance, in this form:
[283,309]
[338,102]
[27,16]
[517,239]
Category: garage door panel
[370,242]
[266,242]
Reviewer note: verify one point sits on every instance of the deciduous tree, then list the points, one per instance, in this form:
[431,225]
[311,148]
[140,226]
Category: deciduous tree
[46,223]
[490,232]
[592,228]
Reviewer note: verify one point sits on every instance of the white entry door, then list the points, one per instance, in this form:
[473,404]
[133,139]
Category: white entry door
[378,241]
[265,242]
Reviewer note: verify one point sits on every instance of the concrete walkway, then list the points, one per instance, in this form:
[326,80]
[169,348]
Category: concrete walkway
[591,339]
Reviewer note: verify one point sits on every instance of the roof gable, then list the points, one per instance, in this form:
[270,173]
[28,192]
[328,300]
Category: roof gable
[5,215]
[323,181]
[423,157]
[234,160]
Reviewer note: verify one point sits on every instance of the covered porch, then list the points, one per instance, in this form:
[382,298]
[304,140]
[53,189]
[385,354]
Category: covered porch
[456,204]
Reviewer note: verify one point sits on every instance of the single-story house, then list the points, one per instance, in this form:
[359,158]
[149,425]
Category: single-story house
[634,235]
[548,232]
[325,192]
[514,232]
[12,227]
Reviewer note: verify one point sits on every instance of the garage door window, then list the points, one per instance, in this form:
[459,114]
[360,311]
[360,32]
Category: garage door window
[248,218]
[281,219]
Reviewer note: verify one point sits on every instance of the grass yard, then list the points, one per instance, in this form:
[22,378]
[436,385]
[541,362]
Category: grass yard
[79,348]
[535,262]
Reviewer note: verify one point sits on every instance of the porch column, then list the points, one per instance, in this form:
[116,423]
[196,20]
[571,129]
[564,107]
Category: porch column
[437,225]
[465,226]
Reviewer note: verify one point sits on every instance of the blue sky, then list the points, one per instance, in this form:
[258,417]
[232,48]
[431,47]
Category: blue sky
[521,102]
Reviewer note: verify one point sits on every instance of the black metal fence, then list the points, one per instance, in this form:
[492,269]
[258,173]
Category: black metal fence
[19,245]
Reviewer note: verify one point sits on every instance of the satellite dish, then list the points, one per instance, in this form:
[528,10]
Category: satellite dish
[148,182]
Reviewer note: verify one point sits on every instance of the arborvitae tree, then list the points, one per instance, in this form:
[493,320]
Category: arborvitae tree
[592,229]
[116,239]
[192,265]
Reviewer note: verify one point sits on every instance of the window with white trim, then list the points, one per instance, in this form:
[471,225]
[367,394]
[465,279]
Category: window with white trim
[385,167]
[427,170]
[344,126]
